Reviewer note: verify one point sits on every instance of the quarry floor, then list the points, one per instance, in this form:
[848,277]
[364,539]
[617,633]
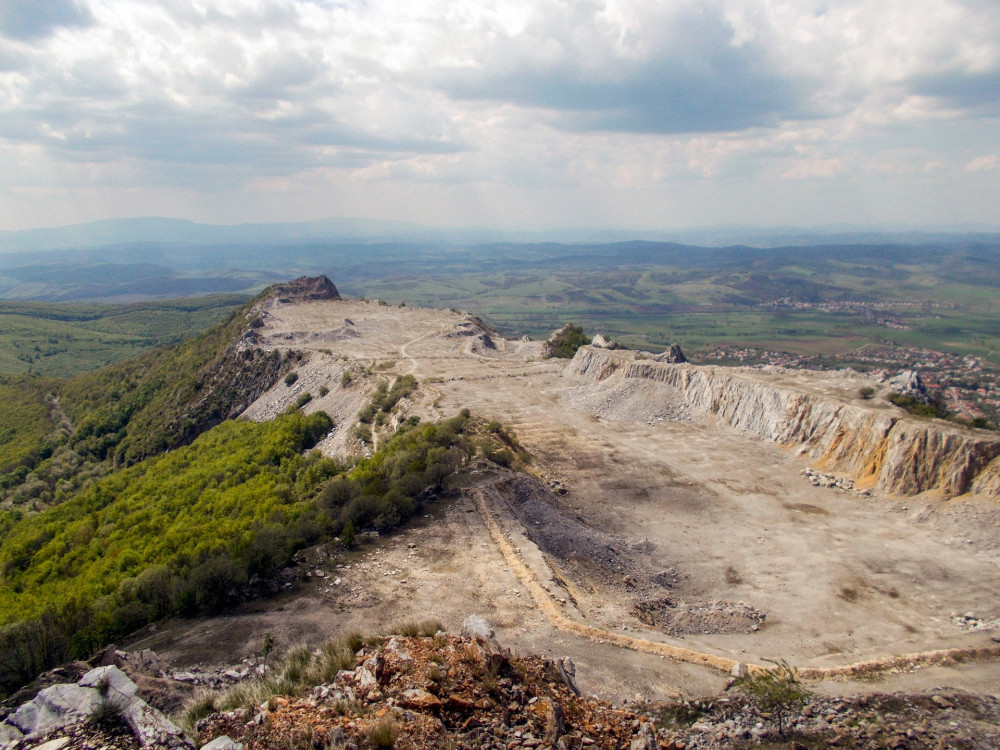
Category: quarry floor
[841,578]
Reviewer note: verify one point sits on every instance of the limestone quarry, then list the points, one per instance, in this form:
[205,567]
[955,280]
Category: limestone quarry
[676,521]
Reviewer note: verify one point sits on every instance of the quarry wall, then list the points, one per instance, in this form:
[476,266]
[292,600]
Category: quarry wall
[880,448]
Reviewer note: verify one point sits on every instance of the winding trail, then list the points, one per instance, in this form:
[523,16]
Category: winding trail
[554,614]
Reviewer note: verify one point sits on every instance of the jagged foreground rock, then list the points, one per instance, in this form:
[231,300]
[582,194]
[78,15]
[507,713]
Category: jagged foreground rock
[470,692]
[874,447]
[104,703]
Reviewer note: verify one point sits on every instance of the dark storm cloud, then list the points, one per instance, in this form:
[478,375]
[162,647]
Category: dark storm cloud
[31,19]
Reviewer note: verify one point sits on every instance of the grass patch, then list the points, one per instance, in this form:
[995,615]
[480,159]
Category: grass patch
[384,733]
[417,629]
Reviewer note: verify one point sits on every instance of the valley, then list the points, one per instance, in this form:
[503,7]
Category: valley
[645,514]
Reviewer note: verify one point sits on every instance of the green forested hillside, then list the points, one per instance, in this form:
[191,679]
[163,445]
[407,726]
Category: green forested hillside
[67,339]
[24,419]
[186,531]
[177,510]
[61,434]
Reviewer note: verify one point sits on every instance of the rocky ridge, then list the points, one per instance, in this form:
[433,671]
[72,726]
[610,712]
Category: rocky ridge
[876,448]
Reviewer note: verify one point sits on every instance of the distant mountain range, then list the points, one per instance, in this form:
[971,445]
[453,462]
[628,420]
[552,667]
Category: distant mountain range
[166,231]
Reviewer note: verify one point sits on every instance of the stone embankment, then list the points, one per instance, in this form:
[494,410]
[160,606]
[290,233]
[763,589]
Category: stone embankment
[879,448]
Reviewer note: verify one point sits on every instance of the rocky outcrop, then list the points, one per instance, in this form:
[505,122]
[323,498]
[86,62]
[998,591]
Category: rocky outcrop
[602,342]
[877,448]
[305,289]
[908,383]
[104,695]
[673,355]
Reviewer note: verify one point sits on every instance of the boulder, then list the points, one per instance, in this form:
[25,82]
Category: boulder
[419,700]
[604,343]
[908,383]
[110,681]
[223,743]
[64,705]
[645,739]
[476,627]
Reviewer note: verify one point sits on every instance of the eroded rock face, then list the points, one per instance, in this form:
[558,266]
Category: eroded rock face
[876,448]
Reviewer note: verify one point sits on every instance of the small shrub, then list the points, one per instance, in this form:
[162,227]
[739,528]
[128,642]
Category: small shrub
[323,390]
[346,378]
[109,714]
[775,692]
[866,392]
[202,705]
[297,661]
[291,377]
[383,734]
[354,641]
[567,342]
[680,714]
[502,457]
[303,399]
[347,534]
[913,406]
[333,657]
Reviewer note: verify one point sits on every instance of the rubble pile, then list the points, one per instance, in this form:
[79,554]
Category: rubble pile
[819,479]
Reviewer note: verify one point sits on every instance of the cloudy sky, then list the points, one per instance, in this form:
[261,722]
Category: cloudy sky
[502,113]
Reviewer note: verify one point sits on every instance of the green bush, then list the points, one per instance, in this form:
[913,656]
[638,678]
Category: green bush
[566,343]
[120,554]
[775,693]
[291,377]
[931,409]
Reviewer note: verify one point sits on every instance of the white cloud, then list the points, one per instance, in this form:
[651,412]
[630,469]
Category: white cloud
[218,96]
[803,169]
[983,164]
